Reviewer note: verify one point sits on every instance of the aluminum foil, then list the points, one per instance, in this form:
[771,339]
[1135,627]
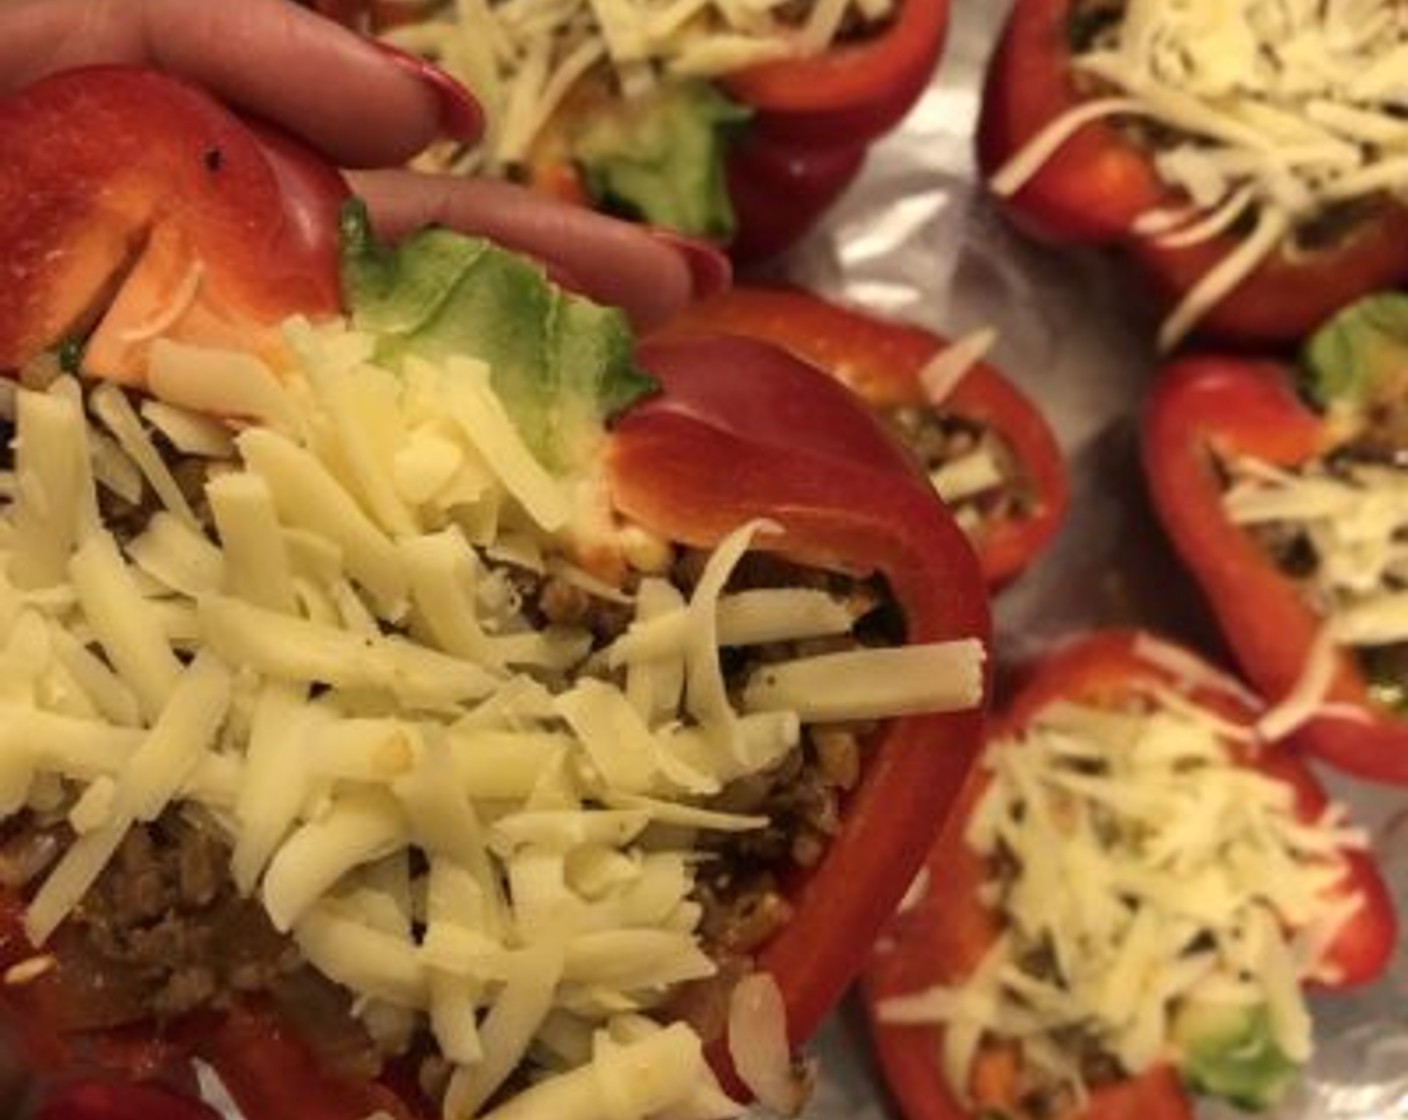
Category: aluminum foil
[916,238]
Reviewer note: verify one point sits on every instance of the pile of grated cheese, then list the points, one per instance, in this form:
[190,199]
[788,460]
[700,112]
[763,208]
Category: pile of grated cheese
[1148,870]
[982,470]
[1283,110]
[480,827]
[523,60]
[1353,516]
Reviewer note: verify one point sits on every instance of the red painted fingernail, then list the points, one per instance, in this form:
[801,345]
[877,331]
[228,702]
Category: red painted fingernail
[461,115]
[710,270]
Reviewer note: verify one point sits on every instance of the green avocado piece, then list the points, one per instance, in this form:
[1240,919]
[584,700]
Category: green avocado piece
[562,366]
[1359,356]
[1231,1052]
[661,158]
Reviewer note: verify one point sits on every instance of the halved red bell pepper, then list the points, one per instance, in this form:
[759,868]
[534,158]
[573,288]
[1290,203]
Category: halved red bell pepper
[690,463]
[941,938]
[881,359]
[1100,181]
[1208,407]
[199,231]
[812,121]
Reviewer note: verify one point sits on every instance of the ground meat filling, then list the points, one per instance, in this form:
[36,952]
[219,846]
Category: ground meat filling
[163,933]
[166,918]
[940,440]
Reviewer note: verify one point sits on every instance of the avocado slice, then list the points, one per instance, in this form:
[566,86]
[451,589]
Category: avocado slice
[1231,1052]
[562,366]
[1360,356]
[661,158]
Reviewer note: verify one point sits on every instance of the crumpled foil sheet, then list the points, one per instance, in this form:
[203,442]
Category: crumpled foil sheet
[915,238]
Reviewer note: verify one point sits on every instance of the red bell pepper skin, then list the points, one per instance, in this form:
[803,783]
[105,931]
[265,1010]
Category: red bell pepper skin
[943,937]
[880,360]
[694,473]
[272,1072]
[691,463]
[859,89]
[120,1100]
[1209,406]
[780,190]
[1097,183]
[202,206]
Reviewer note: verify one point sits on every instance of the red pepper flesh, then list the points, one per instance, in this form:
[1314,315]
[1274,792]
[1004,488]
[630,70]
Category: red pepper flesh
[199,219]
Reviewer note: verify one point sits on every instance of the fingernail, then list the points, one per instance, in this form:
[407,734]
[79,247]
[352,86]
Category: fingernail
[461,115]
[710,270]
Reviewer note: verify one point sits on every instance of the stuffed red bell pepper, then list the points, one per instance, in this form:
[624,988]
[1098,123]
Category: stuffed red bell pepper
[740,127]
[1279,487]
[421,700]
[987,450]
[1257,193]
[1125,906]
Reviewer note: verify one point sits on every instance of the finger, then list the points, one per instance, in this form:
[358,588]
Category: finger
[362,106]
[651,276]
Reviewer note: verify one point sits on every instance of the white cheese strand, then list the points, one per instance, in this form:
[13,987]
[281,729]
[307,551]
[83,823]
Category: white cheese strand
[56,506]
[1220,280]
[859,684]
[759,1048]
[508,1029]
[132,638]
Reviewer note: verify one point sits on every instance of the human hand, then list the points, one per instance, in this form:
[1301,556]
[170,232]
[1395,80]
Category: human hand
[360,105]
[364,106]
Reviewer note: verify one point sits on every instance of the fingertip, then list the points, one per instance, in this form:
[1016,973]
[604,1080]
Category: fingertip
[461,116]
[710,270]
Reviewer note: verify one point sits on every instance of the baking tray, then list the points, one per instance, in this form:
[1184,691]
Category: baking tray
[916,238]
